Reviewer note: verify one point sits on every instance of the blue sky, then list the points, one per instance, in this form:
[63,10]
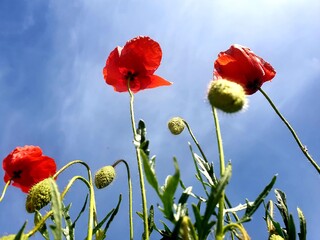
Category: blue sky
[52,94]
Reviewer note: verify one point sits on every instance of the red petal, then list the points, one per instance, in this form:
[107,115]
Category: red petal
[33,165]
[157,81]
[241,65]
[141,54]
[111,71]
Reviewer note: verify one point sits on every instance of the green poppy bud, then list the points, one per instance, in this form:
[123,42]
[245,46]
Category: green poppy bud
[38,196]
[176,125]
[226,95]
[275,237]
[104,176]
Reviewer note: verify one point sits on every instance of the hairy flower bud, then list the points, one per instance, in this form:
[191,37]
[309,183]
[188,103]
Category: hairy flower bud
[104,176]
[226,95]
[38,196]
[275,237]
[176,125]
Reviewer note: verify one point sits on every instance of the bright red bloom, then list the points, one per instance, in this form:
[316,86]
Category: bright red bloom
[239,64]
[26,166]
[135,62]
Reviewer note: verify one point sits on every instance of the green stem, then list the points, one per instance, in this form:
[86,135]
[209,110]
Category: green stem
[141,176]
[91,204]
[195,141]
[204,158]
[39,224]
[294,134]
[90,181]
[4,190]
[220,230]
[130,194]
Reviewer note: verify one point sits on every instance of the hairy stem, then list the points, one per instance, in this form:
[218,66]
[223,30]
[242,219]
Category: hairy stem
[294,134]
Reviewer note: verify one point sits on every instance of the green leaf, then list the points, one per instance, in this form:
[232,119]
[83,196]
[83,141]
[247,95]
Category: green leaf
[81,211]
[251,208]
[303,225]
[282,206]
[20,235]
[68,232]
[43,229]
[206,169]
[185,195]
[198,219]
[149,172]
[151,219]
[141,141]
[56,206]
[216,193]
[114,213]
[168,192]
[291,228]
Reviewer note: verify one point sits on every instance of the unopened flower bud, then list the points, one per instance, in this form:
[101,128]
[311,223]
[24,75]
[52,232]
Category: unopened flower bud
[275,237]
[227,96]
[176,125]
[38,196]
[104,176]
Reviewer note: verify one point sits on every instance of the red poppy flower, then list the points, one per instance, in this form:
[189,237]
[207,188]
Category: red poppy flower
[239,64]
[135,62]
[26,166]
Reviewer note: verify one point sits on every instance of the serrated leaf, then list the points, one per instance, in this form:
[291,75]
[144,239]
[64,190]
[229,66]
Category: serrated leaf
[68,232]
[151,219]
[251,208]
[141,138]
[303,225]
[282,206]
[204,169]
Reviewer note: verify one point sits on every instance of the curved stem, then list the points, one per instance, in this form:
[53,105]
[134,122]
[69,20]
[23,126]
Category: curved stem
[243,232]
[90,181]
[130,194]
[40,223]
[141,176]
[220,231]
[294,134]
[91,204]
[4,190]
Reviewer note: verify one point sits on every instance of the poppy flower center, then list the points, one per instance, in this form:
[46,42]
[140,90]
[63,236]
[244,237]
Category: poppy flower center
[130,75]
[16,174]
[254,85]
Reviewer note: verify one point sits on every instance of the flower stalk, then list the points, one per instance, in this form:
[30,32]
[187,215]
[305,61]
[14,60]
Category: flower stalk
[292,131]
[4,190]
[139,162]
[92,207]
[220,227]
[130,195]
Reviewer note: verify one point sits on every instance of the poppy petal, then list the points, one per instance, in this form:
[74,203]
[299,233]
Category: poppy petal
[239,64]
[141,54]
